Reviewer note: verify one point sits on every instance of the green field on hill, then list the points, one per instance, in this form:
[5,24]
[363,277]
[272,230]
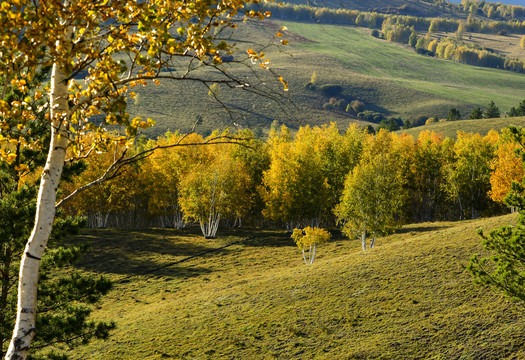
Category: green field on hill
[479,126]
[390,65]
[388,78]
[248,295]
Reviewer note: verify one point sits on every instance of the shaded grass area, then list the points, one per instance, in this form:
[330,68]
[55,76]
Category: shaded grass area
[409,298]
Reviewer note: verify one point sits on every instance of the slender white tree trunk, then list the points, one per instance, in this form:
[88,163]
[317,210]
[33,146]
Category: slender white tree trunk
[363,240]
[313,256]
[373,242]
[209,228]
[178,219]
[105,223]
[24,329]
[304,257]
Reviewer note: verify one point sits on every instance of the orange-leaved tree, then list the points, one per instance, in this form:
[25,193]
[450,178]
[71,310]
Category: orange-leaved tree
[507,167]
[112,46]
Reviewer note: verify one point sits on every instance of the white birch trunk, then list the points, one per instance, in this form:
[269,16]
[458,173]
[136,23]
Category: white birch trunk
[373,242]
[105,223]
[24,329]
[209,228]
[304,257]
[363,240]
[313,256]
[178,220]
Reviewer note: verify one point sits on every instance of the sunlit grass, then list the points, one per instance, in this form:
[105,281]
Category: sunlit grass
[380,59]
[481,126]
[409,298]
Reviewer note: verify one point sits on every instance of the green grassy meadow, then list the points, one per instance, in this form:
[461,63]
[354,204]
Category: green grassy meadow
[397,65]
[387,77]
[479,126]
[248,295]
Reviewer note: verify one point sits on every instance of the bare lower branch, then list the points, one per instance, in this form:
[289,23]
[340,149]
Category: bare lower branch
[104,177]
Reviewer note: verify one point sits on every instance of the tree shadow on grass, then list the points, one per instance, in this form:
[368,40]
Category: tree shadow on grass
[146,252]
[413,229]
[276,238]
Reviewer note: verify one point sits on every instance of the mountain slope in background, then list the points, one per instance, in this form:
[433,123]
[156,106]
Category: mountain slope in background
[388,78]
[508,2]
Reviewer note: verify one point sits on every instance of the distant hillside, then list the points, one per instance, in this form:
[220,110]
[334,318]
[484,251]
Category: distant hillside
[481,126]
[389,79]
[420,8]
[248,295]
[508,2]
[400,7]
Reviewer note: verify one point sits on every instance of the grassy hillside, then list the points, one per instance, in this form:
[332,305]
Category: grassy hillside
[397,68]
[389,78]
[408,298]
[403,7]
[481,126]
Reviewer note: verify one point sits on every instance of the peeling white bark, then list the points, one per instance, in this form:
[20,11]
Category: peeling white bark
[209,228]
[24,329]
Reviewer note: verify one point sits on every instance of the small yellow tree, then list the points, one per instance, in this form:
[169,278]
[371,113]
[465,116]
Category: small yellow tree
[433,46]
[308,239]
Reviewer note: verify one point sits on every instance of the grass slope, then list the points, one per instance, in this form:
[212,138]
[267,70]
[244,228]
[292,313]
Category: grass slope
[402,7]
[408,298]
[397,68]
[481,126]
[389,78]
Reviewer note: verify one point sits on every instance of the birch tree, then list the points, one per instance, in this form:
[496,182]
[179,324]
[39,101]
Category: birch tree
[117,44]
[307,240]
[427,195]
[307,172]
[373,197]
[159,180]
[63,316]
[468,175]
[213,185]
[507,167]
[104,199]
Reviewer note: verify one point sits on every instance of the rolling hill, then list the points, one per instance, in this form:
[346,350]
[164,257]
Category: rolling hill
[387,77]
[481,126]
[508,2]
[249,295]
